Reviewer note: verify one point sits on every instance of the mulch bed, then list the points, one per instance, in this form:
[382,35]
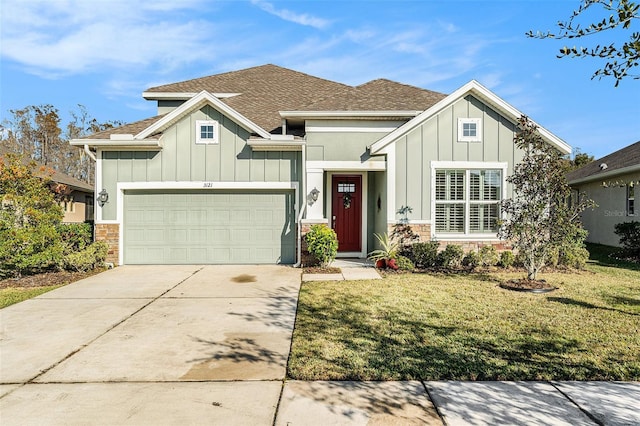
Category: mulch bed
[321,270]
[531,286]
[47,279]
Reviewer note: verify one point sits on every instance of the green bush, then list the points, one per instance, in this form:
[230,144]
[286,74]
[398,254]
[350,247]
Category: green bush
[87,259]
[488,256]
[471,260]
[629,233]
[573,257]
[450,257]
[75,236]
[507,259]
[425,255]
[322,244]
[404,263]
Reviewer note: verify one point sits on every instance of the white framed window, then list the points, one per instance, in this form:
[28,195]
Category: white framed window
[631,208]
[207,132]
[467,200]
[469,130]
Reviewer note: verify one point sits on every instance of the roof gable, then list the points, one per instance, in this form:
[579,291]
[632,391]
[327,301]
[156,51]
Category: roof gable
[482,93]
[624,160]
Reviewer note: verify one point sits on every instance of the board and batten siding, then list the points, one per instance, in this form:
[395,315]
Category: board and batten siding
[437,140]
[345,140]
[182,160]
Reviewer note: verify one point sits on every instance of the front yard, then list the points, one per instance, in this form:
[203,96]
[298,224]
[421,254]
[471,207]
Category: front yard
[465,327]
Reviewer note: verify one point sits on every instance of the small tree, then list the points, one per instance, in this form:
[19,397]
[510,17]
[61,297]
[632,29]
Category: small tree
[29,214]
[540,220]
[322,244]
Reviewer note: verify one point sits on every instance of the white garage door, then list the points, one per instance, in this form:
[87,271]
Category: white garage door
[208,227]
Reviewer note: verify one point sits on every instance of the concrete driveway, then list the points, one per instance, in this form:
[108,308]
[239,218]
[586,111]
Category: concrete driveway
[133,344]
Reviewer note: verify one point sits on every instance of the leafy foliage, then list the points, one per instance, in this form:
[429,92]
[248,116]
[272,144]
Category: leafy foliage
[388,248]
[507,259]
[88,258]
[404,263]
[539,218]
[621,60]
[488,256]
[29,214]
[629,233]
[451,257]
[425,255]
[76,236]
[471,260]
[322,244]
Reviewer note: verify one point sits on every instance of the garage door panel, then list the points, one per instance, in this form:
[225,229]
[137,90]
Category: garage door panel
[203,227]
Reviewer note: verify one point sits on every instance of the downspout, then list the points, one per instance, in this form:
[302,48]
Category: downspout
[304,205]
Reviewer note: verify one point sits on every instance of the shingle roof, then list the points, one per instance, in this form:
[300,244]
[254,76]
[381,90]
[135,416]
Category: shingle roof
[378,95]
[264,91]
[626,157]
[131,128]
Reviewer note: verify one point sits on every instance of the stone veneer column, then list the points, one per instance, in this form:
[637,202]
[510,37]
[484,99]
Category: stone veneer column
[109,233]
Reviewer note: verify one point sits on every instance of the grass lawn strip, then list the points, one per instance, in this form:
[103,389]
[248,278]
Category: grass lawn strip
[465,327]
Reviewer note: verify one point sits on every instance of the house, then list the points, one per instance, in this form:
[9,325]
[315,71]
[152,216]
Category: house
[76,196]
[611,182]
[236,167]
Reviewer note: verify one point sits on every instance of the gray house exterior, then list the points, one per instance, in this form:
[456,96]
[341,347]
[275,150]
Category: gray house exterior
[612,182]
[236,167]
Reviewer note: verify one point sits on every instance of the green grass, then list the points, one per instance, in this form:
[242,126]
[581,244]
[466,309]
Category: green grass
[465,327]
[11,295]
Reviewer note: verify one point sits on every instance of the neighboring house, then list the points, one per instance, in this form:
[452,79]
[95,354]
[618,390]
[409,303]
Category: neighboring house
[237,166]
[76,196]
[612,182]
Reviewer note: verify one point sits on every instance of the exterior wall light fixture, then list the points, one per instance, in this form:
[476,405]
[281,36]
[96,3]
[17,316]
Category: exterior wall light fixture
[103,197]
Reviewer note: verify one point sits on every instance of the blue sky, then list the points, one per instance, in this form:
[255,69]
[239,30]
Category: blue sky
[104,54]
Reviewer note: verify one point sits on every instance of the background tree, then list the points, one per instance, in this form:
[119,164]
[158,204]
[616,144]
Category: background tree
[580,159]
[621,60]
[36,132]
[29,214]
[540,221]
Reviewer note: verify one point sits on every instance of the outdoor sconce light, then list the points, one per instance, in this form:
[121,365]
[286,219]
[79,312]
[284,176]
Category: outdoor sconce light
[313,196]
[103,197]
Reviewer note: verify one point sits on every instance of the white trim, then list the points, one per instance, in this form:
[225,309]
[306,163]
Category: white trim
[201,99]
[466,166]
[129,144]
[483,94]
[347,166]
[350,129]
[348,114]
[216,132]
[277,143]
[97,209]
[391,180]
[411,222]
[477,137]
[181,96]
[204,185]
[363,209]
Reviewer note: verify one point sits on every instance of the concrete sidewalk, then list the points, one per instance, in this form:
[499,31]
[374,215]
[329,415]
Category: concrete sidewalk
[350,269]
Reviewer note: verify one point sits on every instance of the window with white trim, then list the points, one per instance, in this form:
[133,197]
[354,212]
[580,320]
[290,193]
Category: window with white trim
[467,201]
[631,208]
[207,132]
[469,130]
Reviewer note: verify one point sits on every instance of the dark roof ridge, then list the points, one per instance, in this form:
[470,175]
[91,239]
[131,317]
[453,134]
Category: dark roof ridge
[620,159]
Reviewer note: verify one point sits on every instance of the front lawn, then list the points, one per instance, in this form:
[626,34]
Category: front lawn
[465,327]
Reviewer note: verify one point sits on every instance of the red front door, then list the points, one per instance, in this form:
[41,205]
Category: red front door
[346,211]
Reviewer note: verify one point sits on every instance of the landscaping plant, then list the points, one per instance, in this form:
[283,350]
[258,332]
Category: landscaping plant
[539,219]
[425,255]
[629,233]
[387,252]
[322,244]
[451,257]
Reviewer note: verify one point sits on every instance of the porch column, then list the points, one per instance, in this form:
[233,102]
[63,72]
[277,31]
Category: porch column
[315,209]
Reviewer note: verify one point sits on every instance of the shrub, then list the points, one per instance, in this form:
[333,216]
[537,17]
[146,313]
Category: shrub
[471,260]
[450,257]
[507,259]
[405,237]
[322,244]
[629,233]
[87,259]
[76,236]
[404,263]
[388,249]
[488,256]
[425,255]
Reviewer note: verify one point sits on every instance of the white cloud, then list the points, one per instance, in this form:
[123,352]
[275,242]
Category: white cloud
[287,15]
[59,38]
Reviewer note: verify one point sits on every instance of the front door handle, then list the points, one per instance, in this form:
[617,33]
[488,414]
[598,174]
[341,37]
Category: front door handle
[333,226]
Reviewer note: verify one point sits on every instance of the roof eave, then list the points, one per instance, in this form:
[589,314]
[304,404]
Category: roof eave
[348,114]
[181,96]
[606,174]
[118,143]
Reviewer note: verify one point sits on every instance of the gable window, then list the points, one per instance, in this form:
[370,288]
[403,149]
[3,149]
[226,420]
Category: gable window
[631,208]
[207,132]
[469,130]
[467,201]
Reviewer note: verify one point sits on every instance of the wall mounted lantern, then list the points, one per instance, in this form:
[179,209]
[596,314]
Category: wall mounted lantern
[313,196]
[103,197]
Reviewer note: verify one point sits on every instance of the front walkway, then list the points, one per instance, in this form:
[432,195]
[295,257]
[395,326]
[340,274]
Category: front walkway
[350,269]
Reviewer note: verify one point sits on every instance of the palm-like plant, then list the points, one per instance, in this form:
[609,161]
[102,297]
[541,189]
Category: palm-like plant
[388,250]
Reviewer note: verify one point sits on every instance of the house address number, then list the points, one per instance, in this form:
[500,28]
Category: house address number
[207,185]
